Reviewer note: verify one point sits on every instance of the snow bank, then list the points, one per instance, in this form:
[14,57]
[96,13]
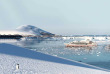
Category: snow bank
[31,62]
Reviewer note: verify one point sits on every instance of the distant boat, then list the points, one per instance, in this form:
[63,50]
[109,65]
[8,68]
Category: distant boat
[86,43]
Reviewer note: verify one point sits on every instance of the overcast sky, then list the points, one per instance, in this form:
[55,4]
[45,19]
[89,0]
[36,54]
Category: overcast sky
[57,16]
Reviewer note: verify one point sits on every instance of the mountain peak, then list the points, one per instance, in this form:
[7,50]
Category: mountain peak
[33,30]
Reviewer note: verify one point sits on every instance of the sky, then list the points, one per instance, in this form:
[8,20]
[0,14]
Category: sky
[66,17]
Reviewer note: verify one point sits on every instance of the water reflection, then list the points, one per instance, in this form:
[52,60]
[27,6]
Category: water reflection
[21,43]
[87,48]
[81,50]
[28,43]
[107,48]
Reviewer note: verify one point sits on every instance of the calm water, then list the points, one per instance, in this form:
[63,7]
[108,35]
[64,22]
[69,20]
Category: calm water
[98,56]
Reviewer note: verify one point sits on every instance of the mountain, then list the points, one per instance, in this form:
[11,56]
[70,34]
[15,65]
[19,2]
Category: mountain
[34,30]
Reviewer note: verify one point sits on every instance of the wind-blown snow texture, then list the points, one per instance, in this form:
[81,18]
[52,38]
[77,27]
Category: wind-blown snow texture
[31,62]
[33,30]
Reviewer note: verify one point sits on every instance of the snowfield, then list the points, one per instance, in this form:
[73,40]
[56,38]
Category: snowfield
[31,62]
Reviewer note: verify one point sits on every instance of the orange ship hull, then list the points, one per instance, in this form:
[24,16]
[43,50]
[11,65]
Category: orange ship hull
[72,45]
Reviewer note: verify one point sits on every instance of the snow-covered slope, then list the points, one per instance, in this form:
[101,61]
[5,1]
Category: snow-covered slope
[33,30]
[31,62]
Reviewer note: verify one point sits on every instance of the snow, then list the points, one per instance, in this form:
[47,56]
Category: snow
[31,62]
[13,32]
[32,29]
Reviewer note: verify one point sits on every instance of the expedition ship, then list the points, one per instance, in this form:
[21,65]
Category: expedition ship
[86,43]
